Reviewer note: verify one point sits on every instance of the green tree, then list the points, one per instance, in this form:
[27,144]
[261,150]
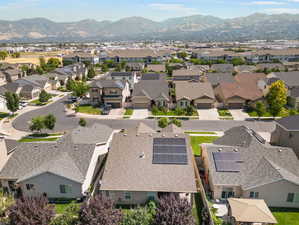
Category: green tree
[277,97]
[260,109]
[182,55]
[49,121]
[176,122]
[44,96]
[163,122]
[3,55]
[190,110]
[37,124]
[82,122]
[80,89]
[105,68]
[54,62]
[16,55]
[238,61]
[118,67]
[70,84]
[12,101]
[91,73]
[123,65]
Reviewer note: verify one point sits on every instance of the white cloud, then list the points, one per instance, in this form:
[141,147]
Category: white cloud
[281,10]
[173,8]
[265,3]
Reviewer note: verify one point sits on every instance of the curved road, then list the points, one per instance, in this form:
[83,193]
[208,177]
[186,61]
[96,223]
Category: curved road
[64,123]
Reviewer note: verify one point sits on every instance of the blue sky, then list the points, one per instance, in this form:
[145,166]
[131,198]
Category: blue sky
[74,10]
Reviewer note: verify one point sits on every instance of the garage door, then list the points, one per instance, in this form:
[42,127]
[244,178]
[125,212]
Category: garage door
[140,105]
[204,105]
[115,105]
[235,105]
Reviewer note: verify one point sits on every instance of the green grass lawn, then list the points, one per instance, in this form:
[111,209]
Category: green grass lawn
[88,109]
[27,139]
[224,112]
[3,115]
[284,113]
[203,132]
[197,208]
[172,113]
[128,112]
[286,216]
[38,103]
[197,140]
[61,207]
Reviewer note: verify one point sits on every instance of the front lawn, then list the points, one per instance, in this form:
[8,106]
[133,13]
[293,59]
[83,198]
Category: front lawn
[88,109]
[286,216]
[197,140]
[173,112]
[224,113]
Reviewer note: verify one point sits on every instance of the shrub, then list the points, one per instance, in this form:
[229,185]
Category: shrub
[82,122]
[163,122]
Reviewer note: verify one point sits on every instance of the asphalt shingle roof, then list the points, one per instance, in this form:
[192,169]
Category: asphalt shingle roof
[152,89]
[289,123]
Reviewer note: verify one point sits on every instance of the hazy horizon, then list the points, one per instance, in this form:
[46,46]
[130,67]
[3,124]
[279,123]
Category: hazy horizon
[159,10]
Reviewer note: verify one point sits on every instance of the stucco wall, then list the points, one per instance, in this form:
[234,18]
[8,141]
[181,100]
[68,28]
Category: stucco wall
[50,184]
[275,194]
[137,197]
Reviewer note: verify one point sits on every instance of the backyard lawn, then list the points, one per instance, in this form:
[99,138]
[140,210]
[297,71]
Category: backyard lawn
[88,109]
[201,132]
[61,207]
[28,139]
[286,216]
[197,140]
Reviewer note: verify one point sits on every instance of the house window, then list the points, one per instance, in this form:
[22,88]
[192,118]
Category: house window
[64,189]
[107,194]
[254,194]
[151,196]
[227,194]
[182,104]
[29,186]
[290,197]
[112,92]
[128,195]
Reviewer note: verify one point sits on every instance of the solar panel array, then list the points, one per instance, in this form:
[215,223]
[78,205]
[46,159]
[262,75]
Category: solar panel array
[170,151]
[227,161]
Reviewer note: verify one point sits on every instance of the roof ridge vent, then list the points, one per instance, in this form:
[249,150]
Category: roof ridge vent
[236,150]
[142,155]
[125,134]
[220,149]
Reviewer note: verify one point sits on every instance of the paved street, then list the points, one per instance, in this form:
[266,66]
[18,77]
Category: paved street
[66,123]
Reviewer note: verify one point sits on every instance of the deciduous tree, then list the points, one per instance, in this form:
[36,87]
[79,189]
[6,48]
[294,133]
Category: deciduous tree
[277,97]
[12,101]
[31,211]
[49,121]
[37,124]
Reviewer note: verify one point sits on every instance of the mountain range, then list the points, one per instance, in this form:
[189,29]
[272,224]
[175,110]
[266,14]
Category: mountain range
[197,27]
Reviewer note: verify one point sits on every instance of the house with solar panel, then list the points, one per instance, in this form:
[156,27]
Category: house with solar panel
[242,164]
[143,165]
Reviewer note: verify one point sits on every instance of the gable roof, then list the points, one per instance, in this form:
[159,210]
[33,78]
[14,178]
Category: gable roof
[126,170]
[217,78]
[121,74]
[257,160]
[223,68]
[108,84]
[66,158]
[193,90]
[152,76]
[251,210]
[152,89]
[291,79]
[290,123]
[156,67]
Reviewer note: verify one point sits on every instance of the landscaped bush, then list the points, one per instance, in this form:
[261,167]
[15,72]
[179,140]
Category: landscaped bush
[163,122]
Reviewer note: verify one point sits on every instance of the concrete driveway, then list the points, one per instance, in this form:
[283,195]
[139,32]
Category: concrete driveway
[239,114]
[139,114]
[116,112]
[208,114]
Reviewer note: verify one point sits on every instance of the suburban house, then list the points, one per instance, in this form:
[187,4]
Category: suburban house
[153,76]
[185,75]
[3,107]
[135,55]
[80,58]
[130,77]
[249,212]
[158,68]
[286,133]
[148,93]
[245,91]
[223,68]
[291,79]
[135,175]
[242,164]
[197,94]
[112,92]
[61,169]
[10,73]
[291,66]
[217,78]
[76,70]
[293,99]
